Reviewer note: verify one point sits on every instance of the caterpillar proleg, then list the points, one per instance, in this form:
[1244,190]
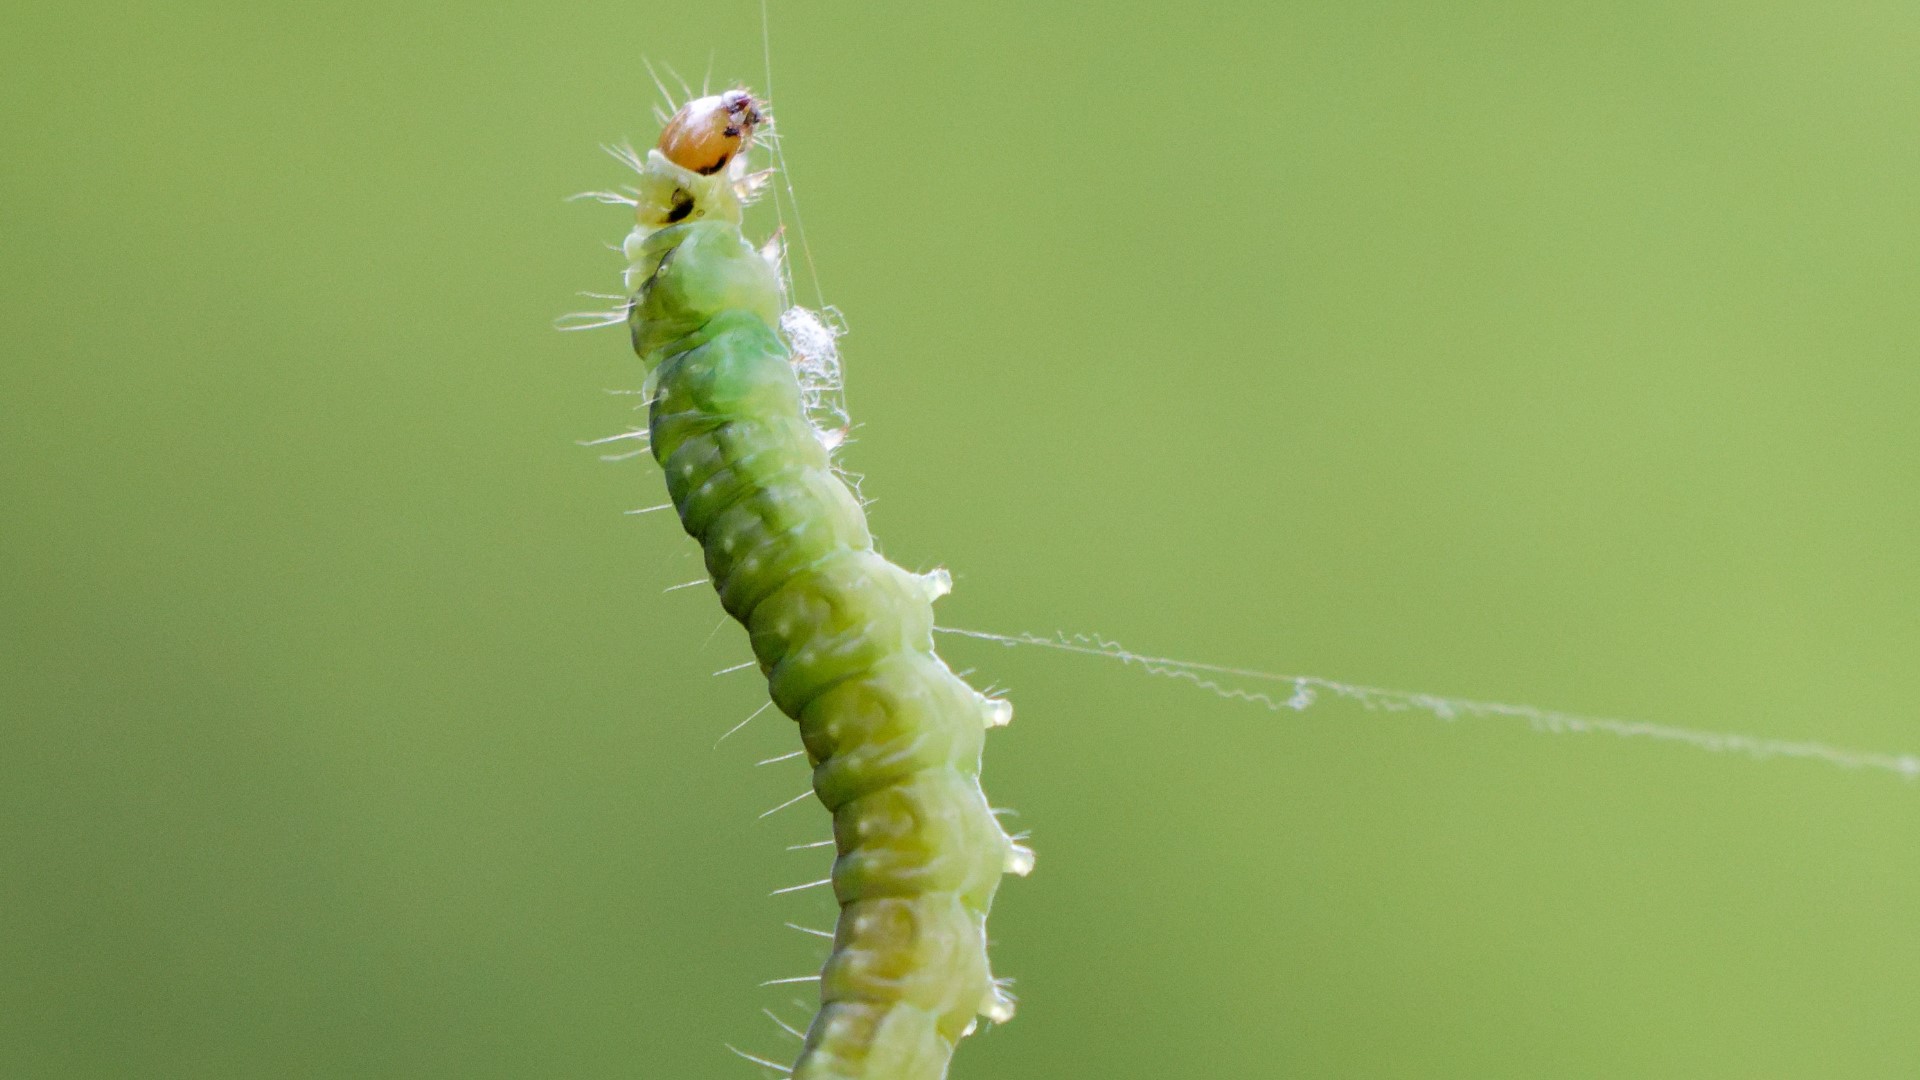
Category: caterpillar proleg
[844,637]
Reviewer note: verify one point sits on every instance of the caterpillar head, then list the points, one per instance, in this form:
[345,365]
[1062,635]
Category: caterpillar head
[708,133]
[699,167]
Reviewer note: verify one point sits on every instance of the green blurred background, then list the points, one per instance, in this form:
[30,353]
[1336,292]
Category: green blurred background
[1546,353]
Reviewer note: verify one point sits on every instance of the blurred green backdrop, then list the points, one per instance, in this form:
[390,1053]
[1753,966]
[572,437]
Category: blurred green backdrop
[1550,353]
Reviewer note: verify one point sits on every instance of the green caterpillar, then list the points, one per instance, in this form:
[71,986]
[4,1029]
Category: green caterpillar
[844,637]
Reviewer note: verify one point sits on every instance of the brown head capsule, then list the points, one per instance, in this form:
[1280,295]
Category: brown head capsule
[708,132]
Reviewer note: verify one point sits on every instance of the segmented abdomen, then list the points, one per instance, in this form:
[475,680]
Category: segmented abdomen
[845,639]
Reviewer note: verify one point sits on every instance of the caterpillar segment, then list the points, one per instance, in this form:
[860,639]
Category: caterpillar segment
[844,637]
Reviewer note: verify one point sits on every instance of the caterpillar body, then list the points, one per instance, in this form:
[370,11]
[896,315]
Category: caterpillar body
[843,636]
